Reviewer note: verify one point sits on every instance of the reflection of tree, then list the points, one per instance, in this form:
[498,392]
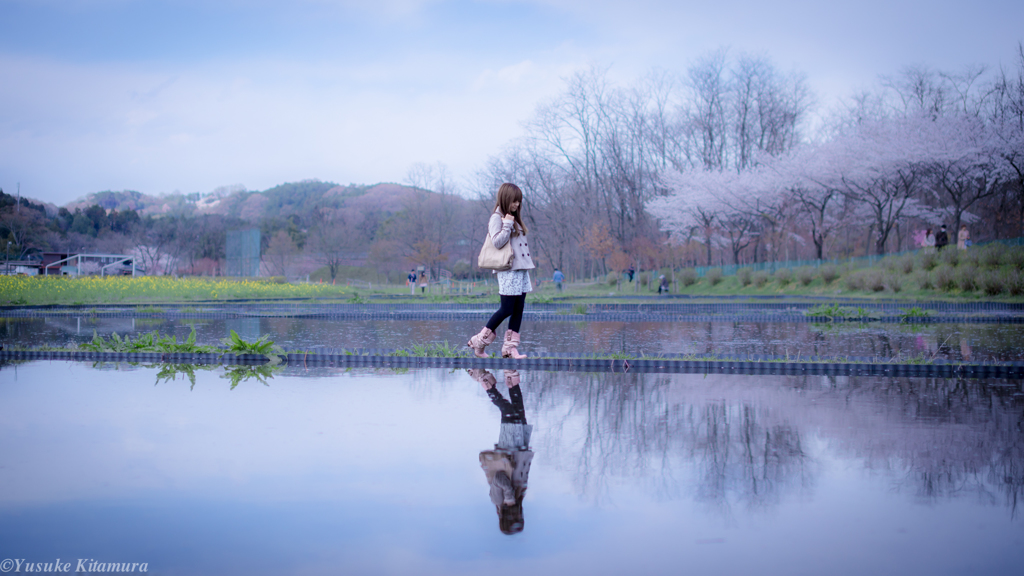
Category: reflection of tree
[738,455]
[728,441]
[956,437]
[637,426]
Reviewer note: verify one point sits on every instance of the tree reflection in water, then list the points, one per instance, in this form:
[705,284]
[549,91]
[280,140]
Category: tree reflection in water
[948,438]
[744,440]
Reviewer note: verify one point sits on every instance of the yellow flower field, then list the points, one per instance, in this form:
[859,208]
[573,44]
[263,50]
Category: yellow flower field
[148,289]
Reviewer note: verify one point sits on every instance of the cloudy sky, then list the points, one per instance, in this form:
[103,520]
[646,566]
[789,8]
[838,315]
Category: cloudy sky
[189,95]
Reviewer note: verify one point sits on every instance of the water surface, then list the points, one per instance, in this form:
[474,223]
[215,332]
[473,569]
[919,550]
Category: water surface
[330,471]
[971,342]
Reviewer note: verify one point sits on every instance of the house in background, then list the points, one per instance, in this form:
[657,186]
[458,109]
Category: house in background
[71,264]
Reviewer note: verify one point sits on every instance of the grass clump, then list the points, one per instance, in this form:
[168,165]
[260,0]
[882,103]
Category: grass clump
[906,264]
[805,276]
[834,311]
[828,310]
[992,283]
[745,276]
[950,256]
[688,277]
[874,281]
[1015,258]
[576,309]
[927,261]
[894,282]
[923,280]
[944,278]
[829,273]
[783,276]
[151,342]
[262,345]
[760,279]
[1014,283]
[713,276]
[970,258]
[992,255]
[915,312]
[855,281]
[967,278]
[438,350]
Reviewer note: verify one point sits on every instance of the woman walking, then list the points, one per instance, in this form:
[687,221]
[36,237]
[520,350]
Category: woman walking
[507,226]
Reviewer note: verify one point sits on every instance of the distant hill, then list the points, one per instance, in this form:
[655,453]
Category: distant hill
[280,201]
[12,202]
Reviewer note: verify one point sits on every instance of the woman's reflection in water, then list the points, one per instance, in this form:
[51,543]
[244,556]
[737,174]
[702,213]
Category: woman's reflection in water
[507,466]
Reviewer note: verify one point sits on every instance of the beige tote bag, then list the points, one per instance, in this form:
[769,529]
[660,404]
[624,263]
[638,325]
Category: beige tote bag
[492,258]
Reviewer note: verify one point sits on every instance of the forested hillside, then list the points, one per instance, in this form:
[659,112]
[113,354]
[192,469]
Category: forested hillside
[305,226]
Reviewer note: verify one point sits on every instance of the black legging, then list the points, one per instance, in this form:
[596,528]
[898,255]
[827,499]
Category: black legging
[511,412]
[510,306]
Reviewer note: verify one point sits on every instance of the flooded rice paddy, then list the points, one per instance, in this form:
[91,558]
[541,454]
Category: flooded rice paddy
[224,470]
[956,342]
[331,471]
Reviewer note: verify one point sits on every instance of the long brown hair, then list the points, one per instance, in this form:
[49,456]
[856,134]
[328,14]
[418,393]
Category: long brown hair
[507,194]
[510,516]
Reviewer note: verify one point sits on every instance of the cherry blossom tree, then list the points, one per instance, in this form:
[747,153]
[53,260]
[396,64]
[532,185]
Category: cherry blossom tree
[964,164]
[694,206]
[881,167]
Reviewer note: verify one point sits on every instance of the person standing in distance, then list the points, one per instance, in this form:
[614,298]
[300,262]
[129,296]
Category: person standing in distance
[963,238]
[558,278]
[507,226]
[941,239]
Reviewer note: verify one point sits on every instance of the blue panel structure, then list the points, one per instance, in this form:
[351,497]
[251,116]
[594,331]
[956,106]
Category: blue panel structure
[243,253]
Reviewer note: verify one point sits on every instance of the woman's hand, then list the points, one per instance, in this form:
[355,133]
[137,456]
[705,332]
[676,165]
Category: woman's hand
[508,218]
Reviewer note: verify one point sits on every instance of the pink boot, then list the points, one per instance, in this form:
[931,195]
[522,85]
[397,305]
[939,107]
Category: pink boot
[480,341]
[485,378]
[511,378]
[510,348]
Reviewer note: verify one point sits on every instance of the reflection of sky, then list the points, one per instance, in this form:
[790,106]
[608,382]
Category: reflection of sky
[378,473]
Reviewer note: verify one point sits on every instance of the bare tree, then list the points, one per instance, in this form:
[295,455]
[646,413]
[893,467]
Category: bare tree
[333,236]
[280,250]
[918,89]
[429,216]
[706,120]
